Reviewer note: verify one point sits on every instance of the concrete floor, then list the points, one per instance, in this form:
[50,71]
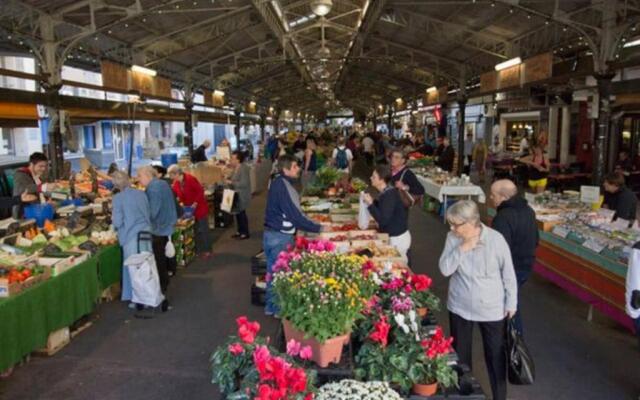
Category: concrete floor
[121,357]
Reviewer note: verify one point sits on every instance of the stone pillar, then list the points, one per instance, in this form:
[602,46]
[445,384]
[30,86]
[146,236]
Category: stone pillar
[553,133]
[565,134]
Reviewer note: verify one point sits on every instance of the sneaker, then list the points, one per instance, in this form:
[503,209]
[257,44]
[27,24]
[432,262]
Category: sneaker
[243,237]
[132,306]
[165,305]
[236,236]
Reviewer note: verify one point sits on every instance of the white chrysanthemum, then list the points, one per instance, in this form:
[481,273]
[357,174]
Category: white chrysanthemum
[353,390]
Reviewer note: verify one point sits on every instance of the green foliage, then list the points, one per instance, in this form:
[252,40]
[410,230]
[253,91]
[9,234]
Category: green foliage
[327,176]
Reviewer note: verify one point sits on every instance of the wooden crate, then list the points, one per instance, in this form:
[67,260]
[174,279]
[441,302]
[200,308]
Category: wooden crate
[55,342]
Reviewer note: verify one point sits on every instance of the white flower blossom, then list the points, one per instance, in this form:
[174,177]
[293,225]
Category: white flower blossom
[353,390]
[376,279]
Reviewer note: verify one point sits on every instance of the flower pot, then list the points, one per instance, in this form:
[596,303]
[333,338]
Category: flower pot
[323,353]
[422,311]
[425,390]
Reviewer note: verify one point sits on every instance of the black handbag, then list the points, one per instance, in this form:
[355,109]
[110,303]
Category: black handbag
[520,369]
[635,299]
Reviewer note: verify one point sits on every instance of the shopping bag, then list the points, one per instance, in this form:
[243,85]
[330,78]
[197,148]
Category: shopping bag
[169,249]
[521,369]
[227,200]
[145,282]
[363,214]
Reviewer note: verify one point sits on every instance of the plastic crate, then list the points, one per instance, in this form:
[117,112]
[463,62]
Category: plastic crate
[259,264]
[258,296]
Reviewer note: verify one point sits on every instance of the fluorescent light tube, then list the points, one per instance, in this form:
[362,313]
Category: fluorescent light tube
[143,70]
[508,63]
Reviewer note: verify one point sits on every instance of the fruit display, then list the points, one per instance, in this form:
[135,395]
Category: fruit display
[320,217]
[344,227]
[105,237]
[377,251]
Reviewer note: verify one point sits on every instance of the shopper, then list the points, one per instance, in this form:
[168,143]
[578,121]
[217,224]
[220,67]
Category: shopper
[200,154]
[283,216]
[624,163]
[445,155]
[190,193]
[482,289]
[131,215]
[480,154]
[403,178]
[310,163]
[619,198]
[161,173]
[368,149]
[516,221]
[538,169]
[163,216]
[632,296]
[241,183]
[388,211]
[468,153]
[342,157]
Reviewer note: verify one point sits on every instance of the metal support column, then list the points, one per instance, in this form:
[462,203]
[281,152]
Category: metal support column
[603,130]
[462,103]
[390,121]
[188,126]
[263,122]
[238,114]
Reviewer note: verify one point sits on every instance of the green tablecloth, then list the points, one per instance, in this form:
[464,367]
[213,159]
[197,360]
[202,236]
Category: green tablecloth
[109,265]
[27,319]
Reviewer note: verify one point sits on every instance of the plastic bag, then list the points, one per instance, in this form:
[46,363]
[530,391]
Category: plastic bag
[521,369]
[363,214]
[169,249]
[145,282]
[227,200]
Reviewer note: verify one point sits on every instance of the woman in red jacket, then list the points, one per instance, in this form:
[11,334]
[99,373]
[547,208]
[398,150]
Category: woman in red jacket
[190,192]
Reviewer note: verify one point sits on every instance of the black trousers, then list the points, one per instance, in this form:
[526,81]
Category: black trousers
[243,223]
[159,243]
[494,343]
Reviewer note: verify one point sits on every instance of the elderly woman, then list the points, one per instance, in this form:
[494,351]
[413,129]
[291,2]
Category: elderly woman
[482,289]
[130,216]
[241,183]
[190,192]
[388,211]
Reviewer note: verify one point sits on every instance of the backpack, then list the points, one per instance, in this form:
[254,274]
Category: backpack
[342,162]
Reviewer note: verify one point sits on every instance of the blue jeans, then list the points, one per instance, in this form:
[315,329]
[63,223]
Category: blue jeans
[273,243]
[521,278]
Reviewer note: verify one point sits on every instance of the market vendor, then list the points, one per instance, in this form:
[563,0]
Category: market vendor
[190,192]
[389,211]
[403,178]
[445,155]
[283,216]
[31,179]
[200,154]
[619,198]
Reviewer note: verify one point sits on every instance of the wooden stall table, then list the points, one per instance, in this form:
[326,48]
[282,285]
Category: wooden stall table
[442,192]
[109,265]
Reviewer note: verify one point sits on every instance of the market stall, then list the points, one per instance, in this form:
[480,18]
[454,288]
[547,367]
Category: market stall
[583,251]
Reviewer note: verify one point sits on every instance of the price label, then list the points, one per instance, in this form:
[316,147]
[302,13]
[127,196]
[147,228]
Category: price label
[593,245]
[590,194]
[606,213]
[560,231]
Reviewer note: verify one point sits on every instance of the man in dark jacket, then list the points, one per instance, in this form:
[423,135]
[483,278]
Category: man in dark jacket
[516,221]
[618,197]
[200,154]
[445,155]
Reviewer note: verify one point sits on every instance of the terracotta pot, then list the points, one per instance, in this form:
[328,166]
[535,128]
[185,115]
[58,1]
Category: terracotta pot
[425,390]
[422,311]
[323,353]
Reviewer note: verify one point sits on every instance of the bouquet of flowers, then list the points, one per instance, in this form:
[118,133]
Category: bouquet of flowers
[246,368]
[321,293]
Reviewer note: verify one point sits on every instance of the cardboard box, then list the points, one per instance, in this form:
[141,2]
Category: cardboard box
[59,265]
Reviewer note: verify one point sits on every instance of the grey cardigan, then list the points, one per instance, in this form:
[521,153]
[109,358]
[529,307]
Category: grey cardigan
[241,182]
[483,283]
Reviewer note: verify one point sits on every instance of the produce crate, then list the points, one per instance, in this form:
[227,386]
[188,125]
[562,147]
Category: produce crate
[63,263]
[258,296]
[55,342]
[259,264]
[344,218]
[11,289]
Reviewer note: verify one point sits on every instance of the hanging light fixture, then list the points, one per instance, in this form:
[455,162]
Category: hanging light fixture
[321,7]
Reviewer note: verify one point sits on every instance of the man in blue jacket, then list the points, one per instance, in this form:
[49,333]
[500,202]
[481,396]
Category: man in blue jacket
[283,217]
[163,220]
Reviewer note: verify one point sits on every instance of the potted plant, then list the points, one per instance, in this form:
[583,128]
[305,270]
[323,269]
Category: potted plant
[320,296]
[433,364]
[245,367]
[349,389]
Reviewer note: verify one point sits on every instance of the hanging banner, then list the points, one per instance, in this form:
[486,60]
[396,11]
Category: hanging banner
[114,75]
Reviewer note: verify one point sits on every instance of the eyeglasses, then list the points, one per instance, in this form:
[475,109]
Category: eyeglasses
[455,226]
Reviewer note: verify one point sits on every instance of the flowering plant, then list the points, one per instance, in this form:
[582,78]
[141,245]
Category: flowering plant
[353,390]
[413,286]
[246,368]
[322,293]
[433,363]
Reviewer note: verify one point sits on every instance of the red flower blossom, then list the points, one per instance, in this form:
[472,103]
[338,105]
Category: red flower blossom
[368,267]
[437,345]
[236,349]
[395,284]
[380,332]
[247,330]
[421,282]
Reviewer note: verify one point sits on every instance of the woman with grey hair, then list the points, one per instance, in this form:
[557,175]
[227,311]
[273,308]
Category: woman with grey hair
[130,216]
[482,289]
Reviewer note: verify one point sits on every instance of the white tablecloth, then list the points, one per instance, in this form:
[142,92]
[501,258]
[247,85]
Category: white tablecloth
[439,191]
